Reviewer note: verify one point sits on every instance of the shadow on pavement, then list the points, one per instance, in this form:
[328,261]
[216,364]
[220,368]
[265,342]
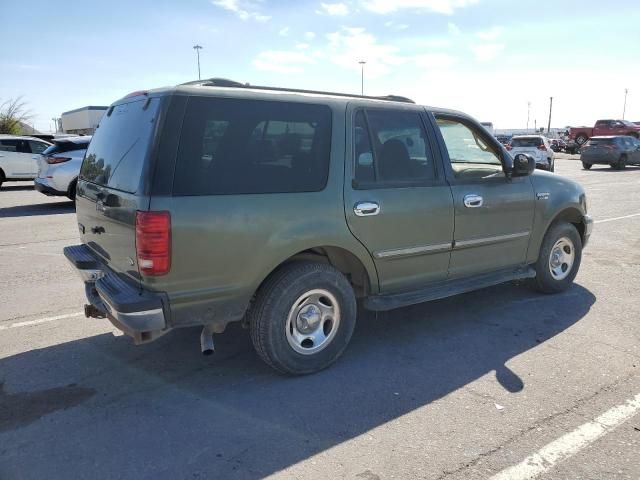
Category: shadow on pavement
[164,411]
[38,209]
[16,188]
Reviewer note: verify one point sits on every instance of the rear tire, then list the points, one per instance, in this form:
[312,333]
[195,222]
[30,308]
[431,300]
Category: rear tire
[622,163]
[587,166]
[2,178]
[71,193]
[559,258]
[302,317]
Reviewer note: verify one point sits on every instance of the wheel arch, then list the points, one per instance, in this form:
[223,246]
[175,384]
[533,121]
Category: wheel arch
[570,214]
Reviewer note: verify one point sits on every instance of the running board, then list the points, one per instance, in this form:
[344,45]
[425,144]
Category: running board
[445,289]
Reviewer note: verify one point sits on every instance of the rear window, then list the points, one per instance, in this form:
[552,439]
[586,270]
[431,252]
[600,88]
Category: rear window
[527,142]
[231,146]
[118,148]
[61,147]
[600,141]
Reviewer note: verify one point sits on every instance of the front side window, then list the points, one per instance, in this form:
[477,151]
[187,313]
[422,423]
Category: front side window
[391,147]
[231,146]
[470,155]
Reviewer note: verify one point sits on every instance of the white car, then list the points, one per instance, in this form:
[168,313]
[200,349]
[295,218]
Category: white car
[538,146]
[59,166]
[19,157]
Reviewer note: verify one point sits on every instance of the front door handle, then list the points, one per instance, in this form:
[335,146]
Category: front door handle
[473,201]
[366,209]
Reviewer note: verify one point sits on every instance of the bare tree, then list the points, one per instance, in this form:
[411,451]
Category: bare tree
[13,113]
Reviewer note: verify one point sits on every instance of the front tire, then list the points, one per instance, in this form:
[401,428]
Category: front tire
[587,166]
[559,258]
[302,318]
[622,163]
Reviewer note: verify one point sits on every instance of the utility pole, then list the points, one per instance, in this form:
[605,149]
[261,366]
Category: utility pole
[362,64]
[550,108]
[528,114]
[197,48]
[624,109]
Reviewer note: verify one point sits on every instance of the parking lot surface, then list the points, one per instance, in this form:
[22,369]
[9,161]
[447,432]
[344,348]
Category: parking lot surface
[501,382]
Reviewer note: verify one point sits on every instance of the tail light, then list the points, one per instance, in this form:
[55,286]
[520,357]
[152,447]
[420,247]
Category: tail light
[54,160]
[153,242]
[542,147]
[508,147]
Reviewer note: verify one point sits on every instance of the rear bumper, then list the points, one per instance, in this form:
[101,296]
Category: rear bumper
[139,313]
[42,187]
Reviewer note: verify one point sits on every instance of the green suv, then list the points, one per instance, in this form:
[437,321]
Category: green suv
[287,210]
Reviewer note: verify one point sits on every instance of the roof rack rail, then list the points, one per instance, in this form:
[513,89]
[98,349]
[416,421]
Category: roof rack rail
[224,82]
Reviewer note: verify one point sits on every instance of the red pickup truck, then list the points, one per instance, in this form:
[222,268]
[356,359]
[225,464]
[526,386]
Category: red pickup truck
[604,127]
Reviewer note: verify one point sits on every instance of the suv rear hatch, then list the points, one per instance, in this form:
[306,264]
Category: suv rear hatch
[62,151]
[529,145]
[113,180]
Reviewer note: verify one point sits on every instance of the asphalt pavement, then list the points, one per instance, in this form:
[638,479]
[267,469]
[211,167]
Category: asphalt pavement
[503,382]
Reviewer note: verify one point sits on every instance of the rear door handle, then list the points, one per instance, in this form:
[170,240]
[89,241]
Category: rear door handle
[366,209]
[473,201]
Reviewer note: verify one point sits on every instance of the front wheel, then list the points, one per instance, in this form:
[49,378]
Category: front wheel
[586,166]
[559,258]
[581,139]
[302,318]
[622,163]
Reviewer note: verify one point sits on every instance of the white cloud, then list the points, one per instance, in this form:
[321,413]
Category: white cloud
[350,45]
[435,61]
[309,35]
[281,61]
[396,26]
[453,29]
[446,7]
[339,9]
[283,32]
[487,52]
[489,35]
[302,46]
[244,9]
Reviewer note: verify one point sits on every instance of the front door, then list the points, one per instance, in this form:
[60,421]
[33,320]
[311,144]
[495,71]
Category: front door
[493,215]
[397,201]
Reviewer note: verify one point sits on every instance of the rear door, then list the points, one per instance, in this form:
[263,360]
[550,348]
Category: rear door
[112,182]
[397,201]
[603,127]
[493,215]
[16,155]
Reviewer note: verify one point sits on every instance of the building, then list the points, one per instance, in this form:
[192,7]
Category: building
[82,121]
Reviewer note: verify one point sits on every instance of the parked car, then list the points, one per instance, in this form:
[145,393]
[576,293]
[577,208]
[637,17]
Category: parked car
[604,128]
[558,145]
[503,139]
[18,157]
[617,152]
[278,208]
[537,146]
[59,166]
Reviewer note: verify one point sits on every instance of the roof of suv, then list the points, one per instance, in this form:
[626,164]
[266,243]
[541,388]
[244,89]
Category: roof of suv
[5,136]
[230,88]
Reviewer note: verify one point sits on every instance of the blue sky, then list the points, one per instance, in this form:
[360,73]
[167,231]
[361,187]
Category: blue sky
[485,57]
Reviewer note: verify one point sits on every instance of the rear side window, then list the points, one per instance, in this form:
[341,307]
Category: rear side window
[231,146]
[119,147]
[13,145]
[391,147]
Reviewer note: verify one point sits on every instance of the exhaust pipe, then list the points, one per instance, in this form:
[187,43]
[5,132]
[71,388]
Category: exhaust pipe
[206,341]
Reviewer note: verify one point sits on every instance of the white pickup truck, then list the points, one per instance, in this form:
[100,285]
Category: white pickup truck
[19,157]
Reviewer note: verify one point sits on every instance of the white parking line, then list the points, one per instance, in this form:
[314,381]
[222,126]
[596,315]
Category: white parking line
[571,443]
[617,218]
[29,323]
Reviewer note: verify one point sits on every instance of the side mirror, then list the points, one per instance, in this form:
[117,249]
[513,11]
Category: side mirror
[523,165]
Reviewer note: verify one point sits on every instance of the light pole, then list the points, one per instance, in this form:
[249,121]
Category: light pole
[528,114]
[197,48]
[362,64]
[624,109]
[550,108]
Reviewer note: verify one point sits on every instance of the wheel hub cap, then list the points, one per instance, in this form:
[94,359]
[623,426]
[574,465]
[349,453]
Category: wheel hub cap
[562,258]
[313,321]
[308,319]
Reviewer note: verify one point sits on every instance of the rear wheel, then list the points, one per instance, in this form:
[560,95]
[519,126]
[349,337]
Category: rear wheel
[586,166]
[581,139]
[71,193]
[559,258]
[622,163]
[2,178]
[302,318]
